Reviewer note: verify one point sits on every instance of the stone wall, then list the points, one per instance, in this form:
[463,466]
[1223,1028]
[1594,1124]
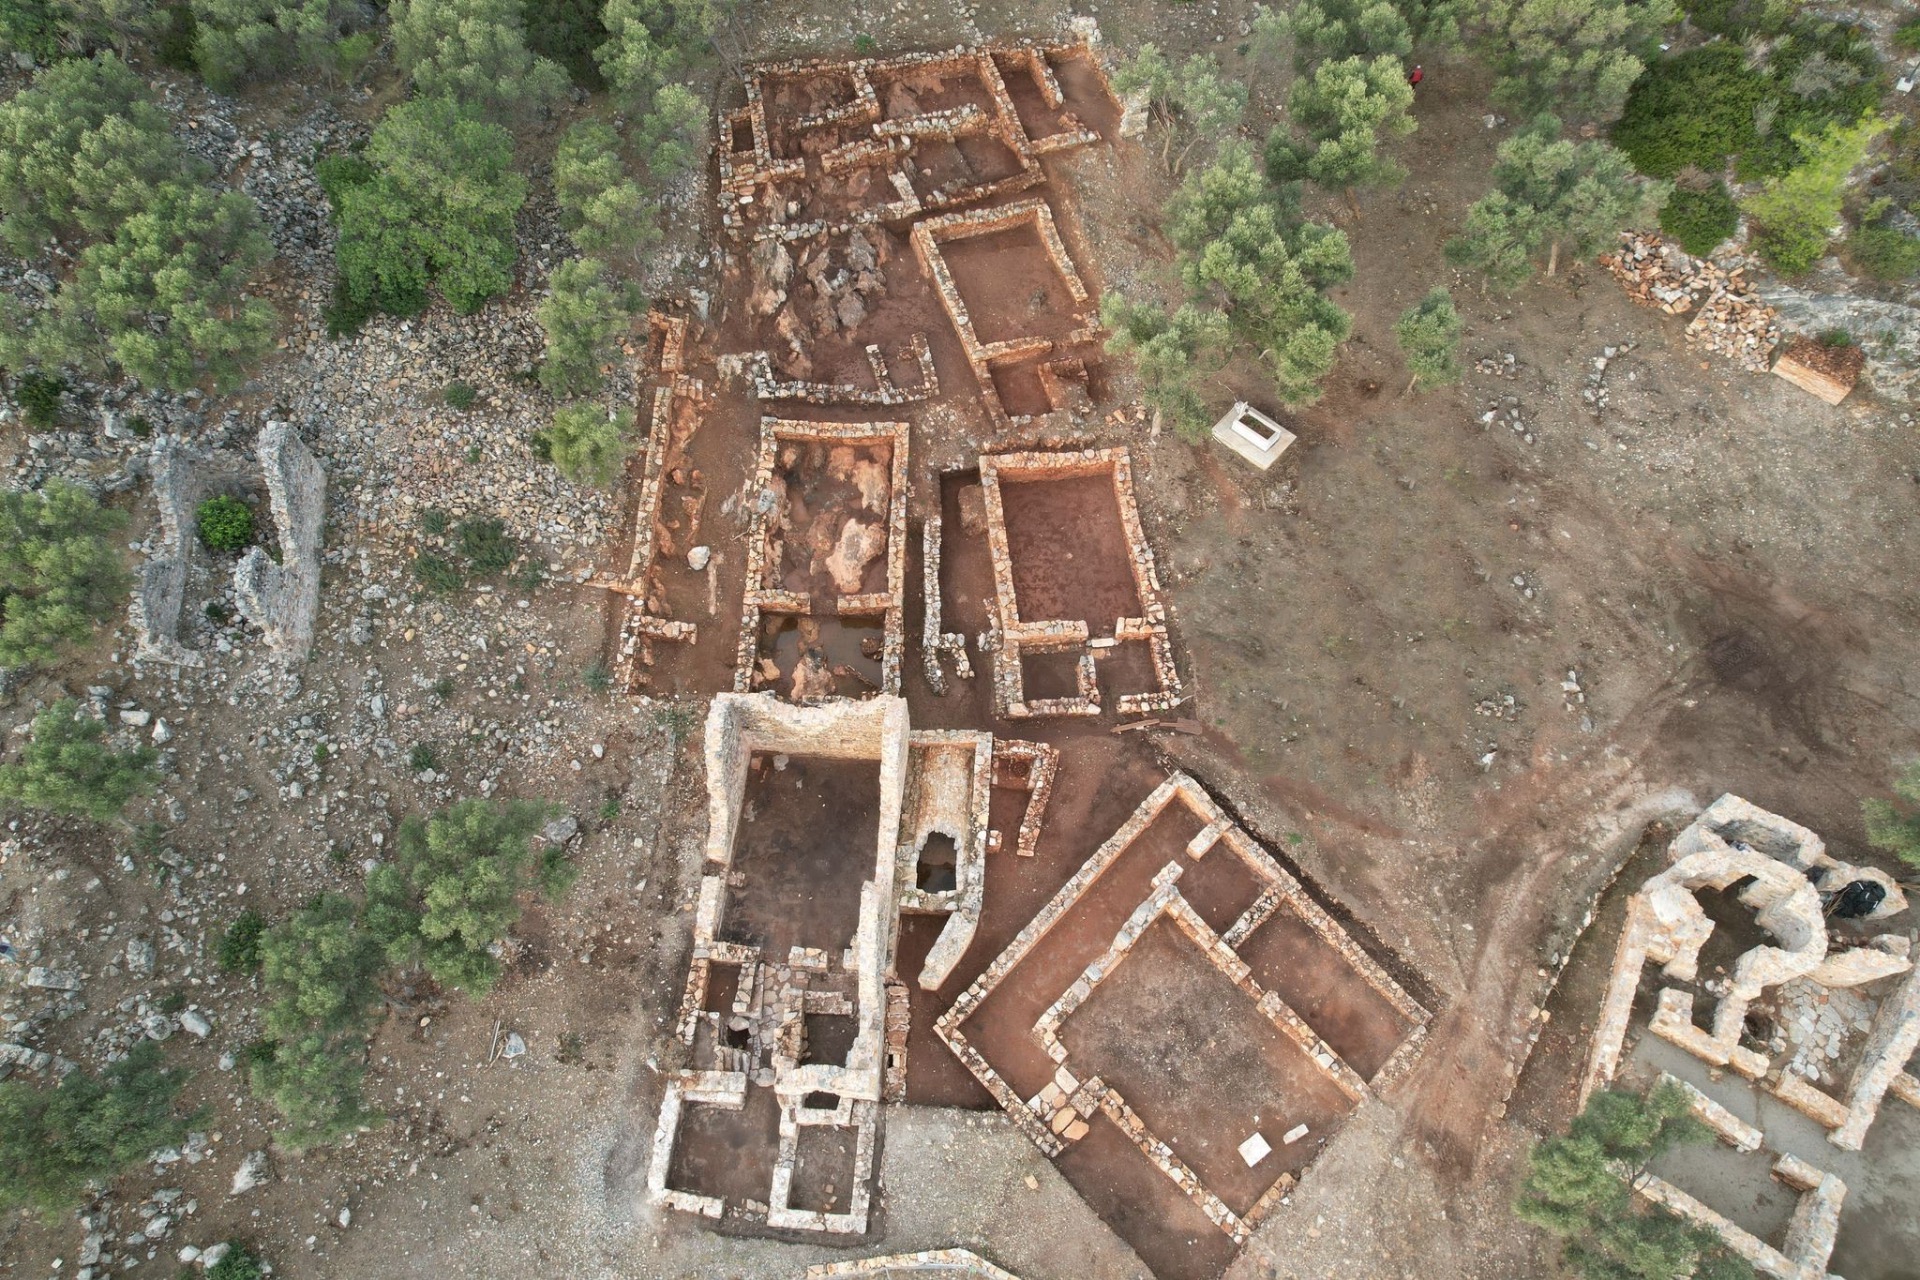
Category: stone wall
[283,599]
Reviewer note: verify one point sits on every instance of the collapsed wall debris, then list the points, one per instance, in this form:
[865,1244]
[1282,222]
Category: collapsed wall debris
[1730,317]
[826,549]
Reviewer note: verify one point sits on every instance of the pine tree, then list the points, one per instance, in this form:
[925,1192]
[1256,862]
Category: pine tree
[1246,249]
[1550,193]
[87,1129]
[67,767]
[319,967]
[314,1081]
[649,42]
[1429,337]
[165,299]
[1344,108]
[1170,352]
[1575,56]
[588,445]
[1193,103]
[240,40]
[81,148]
[453,888]
[605,211]
[475,52]
[59,574]
[583,317]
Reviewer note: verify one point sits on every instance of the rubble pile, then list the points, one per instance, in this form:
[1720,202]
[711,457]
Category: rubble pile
[1728,317]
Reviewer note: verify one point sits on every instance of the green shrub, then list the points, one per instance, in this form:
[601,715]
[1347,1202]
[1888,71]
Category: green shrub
[39,396]
[1693,109]
[240,1263]
[319,966]
[421,758]
[67,767]
[54,1141]
[1793,215]
[487,545]
[1834,338]
[453,888]
[461,395]
[1884,253]
[238,950]
[437,573]
[435,521]
[597,677]
[225,523]
[1906,37]
[583,317]
[588,446]
[58,572]
[1894,825]
[1700,218]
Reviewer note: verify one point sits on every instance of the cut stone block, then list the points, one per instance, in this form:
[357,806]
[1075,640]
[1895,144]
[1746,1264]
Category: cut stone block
[1255,1149]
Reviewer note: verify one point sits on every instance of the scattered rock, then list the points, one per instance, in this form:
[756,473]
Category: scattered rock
[253,1172]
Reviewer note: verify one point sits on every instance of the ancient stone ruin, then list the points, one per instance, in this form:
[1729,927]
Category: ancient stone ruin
[281,597]
[902,302]
[1802,930]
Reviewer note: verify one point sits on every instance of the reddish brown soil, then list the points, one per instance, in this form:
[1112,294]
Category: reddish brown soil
[1011,286]
[1295,963]
[1205,1069]
[1069,551]
[729,1154]
[823,1169]
[1169,1232]
[806,843]
[1219,887]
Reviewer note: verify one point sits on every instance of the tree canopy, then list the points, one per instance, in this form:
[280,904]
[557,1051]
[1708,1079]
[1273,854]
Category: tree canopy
[583,317]
[1344,109]
[1245,249]
[453,887]
[1795,213]
[68,767]
[59,574]
[1429,336]
[588,445]
[1331,30]
[1579,1188]
[55,1141]
[1550,193]
[1194,104]
[475,53]
[1579,57]
[603,210]
[432,203]
[81,148]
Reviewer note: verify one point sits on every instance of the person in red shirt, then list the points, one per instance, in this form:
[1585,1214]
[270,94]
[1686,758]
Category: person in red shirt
[1416,77]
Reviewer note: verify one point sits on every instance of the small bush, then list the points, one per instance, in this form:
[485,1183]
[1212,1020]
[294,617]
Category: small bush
[39,396]
[226,524]
[1700,218]
[598,678]
[487,545]
[238,950]
[241,1263]
[421,758]
[1906,37]
[435,521]
[54,1141]
[59,574]
[461,395]
[67,767]
[437,573]
[1884,253]
[1835,338]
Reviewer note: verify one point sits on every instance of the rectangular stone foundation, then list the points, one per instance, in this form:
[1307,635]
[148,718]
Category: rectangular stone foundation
[1017,634]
